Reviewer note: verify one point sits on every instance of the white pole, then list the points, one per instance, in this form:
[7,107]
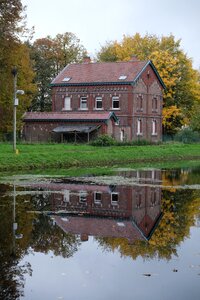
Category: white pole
[14,72]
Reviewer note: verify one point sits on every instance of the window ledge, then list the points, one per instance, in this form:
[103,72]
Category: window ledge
[139,134]
[98,108]
[83,109]
[154,134]
[115,108]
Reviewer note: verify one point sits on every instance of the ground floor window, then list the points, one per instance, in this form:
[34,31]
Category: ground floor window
[139,127]
[122,135]
[154,127]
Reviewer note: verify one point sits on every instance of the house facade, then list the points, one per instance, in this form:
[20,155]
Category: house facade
[121,99]
[101,210]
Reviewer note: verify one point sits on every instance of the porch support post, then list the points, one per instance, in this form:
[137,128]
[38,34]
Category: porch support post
[88,137]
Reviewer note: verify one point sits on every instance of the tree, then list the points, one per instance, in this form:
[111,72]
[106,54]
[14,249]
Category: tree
[50,56]
[173,65]
[172,119]
[13,53]
[195,120]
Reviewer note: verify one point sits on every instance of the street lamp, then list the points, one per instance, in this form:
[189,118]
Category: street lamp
[15,104]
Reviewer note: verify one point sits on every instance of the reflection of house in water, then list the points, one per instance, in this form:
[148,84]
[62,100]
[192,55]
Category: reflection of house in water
[108,211]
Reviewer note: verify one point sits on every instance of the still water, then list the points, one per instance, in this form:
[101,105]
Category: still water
[132,235]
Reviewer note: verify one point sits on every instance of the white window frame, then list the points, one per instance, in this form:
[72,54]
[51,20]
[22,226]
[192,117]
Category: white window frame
[139,126]
[140,102]
[153,197]
[122,135]
[98,100]
[97,201]
[138,200]
[67,103]
[83,197]
[66,197]
[115,99]
[114,202]
[83,103]
[154,127]
[155,103]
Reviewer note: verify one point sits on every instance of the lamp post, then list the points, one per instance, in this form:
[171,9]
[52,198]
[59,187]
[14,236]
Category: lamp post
[15,103]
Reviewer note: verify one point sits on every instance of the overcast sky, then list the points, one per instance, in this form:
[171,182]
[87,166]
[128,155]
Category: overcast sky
[96,21]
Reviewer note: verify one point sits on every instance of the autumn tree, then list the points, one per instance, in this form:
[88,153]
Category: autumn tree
[50,56]
[175,68]
[13,53]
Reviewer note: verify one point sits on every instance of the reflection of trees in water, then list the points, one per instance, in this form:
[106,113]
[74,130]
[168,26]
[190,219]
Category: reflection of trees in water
[39,233]
[11,252]
[41,201]
[180,209]
[46,236]
[182,176]
[12,278]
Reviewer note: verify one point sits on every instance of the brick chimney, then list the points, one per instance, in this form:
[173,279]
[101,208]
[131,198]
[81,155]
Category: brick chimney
[134,58]
[86,60]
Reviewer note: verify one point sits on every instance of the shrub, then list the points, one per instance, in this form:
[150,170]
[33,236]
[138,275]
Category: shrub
[104,140]
[187,136]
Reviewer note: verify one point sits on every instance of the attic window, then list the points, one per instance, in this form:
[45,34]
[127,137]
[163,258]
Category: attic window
[122,77]
[66,79]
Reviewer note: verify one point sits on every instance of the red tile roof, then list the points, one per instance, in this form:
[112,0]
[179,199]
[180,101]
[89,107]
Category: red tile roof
[99,227]
[68,116]
[102,72]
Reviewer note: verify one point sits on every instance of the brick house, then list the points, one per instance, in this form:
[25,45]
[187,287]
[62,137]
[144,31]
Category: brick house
[89,209]
[121,99]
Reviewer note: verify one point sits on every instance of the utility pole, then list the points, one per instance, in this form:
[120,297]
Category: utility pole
[14,72]
[15,103]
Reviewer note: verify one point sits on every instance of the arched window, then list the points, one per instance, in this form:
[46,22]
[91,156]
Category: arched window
[154,104]
[139,103]
[154,127]
[122,135]
[139,127]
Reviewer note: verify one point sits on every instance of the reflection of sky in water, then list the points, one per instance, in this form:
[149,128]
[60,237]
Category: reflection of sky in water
[91,271]
[94,274]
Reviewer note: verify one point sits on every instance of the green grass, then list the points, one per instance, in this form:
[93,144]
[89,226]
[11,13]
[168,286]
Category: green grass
[62,156]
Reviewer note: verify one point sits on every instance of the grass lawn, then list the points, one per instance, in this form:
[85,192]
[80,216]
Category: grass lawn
[45,156]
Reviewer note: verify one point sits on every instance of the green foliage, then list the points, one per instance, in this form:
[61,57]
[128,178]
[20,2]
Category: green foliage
[175,68]
[139,142]
[195,119]
[104,140]
[187,136]
[50,56]
[13,53]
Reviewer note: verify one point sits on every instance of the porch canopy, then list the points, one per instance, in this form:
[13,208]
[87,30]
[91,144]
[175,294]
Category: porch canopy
[76,130]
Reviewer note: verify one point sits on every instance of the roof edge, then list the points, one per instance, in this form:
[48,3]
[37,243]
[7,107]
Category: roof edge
[91,83]
[149,62]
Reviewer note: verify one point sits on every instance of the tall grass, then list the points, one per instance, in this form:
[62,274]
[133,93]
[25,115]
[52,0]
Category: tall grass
[44,156]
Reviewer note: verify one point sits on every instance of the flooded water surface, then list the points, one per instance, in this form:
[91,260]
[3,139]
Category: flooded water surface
[132,235]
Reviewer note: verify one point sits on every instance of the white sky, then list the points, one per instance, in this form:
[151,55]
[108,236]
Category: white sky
[96,21]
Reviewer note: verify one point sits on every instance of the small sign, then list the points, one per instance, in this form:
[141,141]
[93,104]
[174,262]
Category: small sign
[16,101]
